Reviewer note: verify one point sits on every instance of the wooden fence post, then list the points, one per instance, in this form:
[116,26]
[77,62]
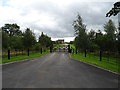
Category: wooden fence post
[69,48]
[28,52]
[41,50]
[8,53]
[100,55]
[85,52]
[50,49]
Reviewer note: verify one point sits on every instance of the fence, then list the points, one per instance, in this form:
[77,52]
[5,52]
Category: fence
[103,56]
[17,52]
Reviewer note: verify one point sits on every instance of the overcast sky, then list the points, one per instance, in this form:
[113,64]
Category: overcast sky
[55,17]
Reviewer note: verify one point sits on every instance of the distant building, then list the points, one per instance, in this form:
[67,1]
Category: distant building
[60,41]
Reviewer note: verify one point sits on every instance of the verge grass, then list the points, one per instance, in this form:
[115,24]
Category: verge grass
[111,64]
[22,57]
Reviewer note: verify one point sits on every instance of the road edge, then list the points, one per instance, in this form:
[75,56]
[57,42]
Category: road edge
[22,60]
[94,65]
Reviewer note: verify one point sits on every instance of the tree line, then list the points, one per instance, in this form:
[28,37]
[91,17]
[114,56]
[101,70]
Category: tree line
[14,38]
[106,40]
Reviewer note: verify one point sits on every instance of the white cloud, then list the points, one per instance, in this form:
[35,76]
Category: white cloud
[54,17]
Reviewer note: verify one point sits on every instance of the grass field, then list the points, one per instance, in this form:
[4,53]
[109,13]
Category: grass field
[109,63]
[22,57]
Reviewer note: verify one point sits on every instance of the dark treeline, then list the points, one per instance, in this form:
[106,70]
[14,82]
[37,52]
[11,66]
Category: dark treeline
[96,40]
[14,38]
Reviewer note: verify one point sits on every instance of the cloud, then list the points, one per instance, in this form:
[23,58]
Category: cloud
[54,17]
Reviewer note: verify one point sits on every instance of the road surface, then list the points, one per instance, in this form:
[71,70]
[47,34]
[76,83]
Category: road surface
[56,70]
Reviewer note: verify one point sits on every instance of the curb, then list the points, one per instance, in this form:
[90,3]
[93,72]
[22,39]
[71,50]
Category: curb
[21,60]
[95,66]
[17,61]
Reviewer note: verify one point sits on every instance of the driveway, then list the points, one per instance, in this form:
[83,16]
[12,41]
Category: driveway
[56,70]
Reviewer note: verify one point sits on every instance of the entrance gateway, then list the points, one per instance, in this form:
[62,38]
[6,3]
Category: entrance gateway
[64,48]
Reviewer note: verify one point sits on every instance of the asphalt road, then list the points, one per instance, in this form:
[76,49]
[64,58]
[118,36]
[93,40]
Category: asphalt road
[56,70]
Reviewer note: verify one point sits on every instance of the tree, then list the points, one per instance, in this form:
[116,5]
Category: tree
[37,46]
[91,34]
[12,29]
[11,36]
[81,40]
[110,29]
[5,40]
[118,37]
[92,45]
[45,40]
[16,42]
[100,40]
[110,36]
[28,39]
[114,11]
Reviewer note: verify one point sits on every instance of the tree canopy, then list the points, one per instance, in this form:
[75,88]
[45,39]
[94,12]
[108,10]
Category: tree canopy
[45,40]
[29,38]
[95,40]
[12,29]
[81,40]
[14,38]
[115,10]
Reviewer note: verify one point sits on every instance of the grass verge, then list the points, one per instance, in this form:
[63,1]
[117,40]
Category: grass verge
[110,64]
[22,57]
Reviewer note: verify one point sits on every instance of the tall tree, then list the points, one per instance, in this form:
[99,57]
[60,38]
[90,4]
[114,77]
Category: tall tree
[81,40]
[5,40]
[100,40]
[29,38]
[114,11]
[11,36]
[91,34]
[110,30]
[45,40]
[92,45]
[12,29]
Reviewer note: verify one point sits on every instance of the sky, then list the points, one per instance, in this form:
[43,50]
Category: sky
[55,17]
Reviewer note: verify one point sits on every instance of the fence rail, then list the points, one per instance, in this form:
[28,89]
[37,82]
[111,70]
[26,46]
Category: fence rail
[104,56]
[17,52]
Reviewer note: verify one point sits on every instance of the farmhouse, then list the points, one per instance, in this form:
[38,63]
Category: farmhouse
[60,41]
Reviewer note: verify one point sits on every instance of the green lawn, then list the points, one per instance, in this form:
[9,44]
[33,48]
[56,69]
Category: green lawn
[22,57]
[107,63]
[110,64]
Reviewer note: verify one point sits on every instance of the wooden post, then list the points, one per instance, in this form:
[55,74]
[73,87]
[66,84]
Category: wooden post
[8,53]
[100,55]
[41,50]
[85,52]
[69,48]
[28,52]
[50,49]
